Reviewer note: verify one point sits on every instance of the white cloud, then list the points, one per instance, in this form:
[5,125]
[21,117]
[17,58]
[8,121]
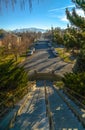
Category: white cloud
[62,16]
[80,12]
[54,15]
[53,10]
[58,16]
[64,19]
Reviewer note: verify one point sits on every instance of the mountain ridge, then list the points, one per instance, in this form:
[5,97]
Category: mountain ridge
[32,29]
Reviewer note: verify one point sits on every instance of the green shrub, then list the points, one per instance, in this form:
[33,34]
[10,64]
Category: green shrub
[75,82]
[80,62]
[12,80]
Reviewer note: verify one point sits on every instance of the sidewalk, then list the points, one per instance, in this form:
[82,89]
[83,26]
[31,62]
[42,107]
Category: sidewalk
[33,115]
[63,117]
[78,111]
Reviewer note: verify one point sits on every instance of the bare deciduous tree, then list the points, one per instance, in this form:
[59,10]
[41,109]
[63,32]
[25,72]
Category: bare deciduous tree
[11,45]
[17,45]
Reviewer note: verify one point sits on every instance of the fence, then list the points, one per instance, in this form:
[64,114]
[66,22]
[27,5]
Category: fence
[79,99]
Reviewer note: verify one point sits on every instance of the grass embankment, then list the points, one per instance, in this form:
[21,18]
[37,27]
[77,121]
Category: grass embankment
[10,57]
[66,56]
[59,84]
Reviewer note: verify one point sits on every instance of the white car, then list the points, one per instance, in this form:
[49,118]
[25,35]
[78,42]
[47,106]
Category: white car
[33,49]
[30,53]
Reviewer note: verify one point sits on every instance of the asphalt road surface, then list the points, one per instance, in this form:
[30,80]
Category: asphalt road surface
[43,60]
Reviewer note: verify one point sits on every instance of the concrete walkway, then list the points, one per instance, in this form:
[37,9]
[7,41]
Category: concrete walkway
[63,117]
[33,115]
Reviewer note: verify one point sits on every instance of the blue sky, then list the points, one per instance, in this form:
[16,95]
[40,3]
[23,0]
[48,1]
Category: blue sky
[44,14]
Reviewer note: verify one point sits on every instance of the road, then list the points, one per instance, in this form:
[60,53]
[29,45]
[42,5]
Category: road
[33,116]
[43,60]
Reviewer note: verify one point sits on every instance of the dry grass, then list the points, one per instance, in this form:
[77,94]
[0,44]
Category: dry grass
[11,56]
[64,55]
[59,84]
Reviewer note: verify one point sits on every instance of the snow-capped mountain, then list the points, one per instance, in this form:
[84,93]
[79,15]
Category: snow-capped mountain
[29,30]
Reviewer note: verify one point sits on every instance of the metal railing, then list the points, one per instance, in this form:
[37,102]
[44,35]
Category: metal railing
[48,111]
[79,99]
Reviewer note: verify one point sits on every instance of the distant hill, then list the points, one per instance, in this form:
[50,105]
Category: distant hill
[29,30]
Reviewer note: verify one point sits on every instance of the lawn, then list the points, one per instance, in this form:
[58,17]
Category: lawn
[66,56]
[11,56]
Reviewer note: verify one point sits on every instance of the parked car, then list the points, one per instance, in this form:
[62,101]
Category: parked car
[55,53]
[30,52]
[33,49]
[36,44]
[49,44]
[52,48]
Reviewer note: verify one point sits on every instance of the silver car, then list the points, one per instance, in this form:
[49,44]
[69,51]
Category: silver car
[30,53]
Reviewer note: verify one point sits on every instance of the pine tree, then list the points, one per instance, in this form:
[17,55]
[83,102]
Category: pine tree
[80,63]
[74,18]
[80,3]
[79,22]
